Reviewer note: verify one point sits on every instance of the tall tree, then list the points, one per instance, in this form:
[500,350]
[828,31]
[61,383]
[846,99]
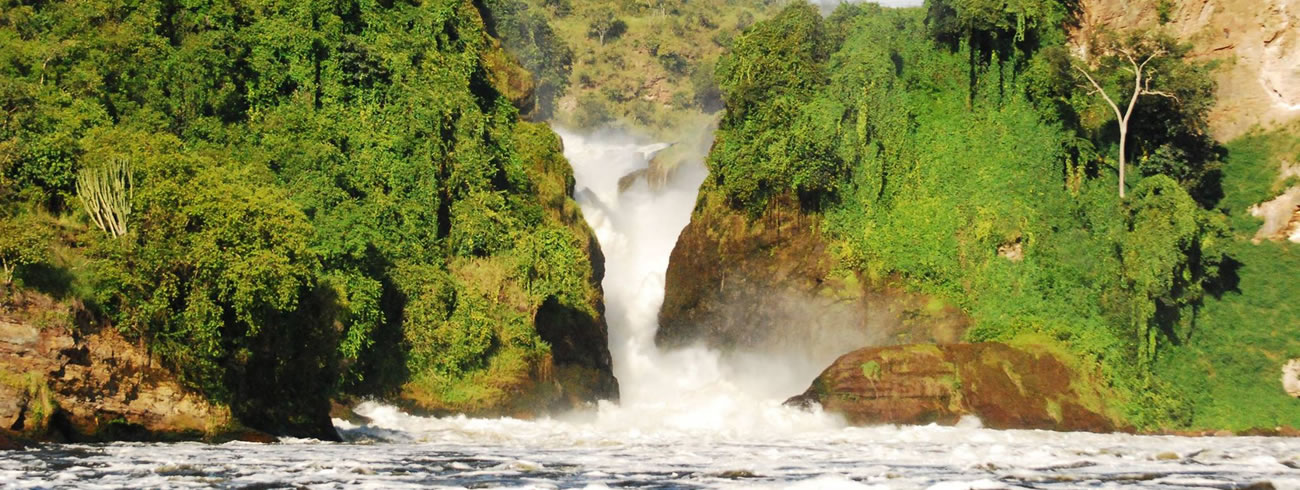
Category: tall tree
[1138,53]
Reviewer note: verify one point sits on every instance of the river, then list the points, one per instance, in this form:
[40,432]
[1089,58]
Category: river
[687,418]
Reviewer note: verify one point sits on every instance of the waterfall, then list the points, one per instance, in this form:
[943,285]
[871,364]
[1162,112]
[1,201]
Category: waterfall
[694,388]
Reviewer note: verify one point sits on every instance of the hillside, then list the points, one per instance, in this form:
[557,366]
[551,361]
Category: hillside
[647,66]
[966,155]
[284,204]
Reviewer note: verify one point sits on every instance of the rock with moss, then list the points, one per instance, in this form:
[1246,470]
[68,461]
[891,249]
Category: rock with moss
[1005,386]
[736,281]
[63,379]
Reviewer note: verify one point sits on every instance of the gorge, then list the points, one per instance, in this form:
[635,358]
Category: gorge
[559,243]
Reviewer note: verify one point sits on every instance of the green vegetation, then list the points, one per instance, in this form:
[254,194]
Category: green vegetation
[930,139]
[300,198]
[647,64]
[871,370]
[1245,331]
[23,242]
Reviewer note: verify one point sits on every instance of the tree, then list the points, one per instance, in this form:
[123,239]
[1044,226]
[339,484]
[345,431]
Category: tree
[605,23]
[995,25]
[1170,249]
[1139,54]
[22,242]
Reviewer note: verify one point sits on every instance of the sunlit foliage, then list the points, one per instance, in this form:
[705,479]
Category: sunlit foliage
[312,184]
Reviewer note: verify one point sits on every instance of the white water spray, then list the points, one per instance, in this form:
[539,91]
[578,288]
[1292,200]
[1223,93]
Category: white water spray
[690,389]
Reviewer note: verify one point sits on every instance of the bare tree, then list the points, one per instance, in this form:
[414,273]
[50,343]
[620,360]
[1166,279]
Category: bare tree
[1141,86]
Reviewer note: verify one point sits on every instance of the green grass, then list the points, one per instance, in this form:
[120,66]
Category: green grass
[1230,370]
[1252,171]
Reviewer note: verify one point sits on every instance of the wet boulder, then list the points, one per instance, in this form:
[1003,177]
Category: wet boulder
[1006,387]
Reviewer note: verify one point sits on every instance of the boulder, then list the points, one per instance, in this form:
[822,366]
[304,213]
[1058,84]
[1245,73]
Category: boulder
[9,444]
[1006,387]
[65,381]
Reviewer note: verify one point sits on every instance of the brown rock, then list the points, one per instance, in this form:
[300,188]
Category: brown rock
[95,385]
[13,402]
[9,444]
[1006,387]
[246,435]
[772,283]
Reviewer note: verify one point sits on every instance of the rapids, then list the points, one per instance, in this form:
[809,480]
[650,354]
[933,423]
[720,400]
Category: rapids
[688,418]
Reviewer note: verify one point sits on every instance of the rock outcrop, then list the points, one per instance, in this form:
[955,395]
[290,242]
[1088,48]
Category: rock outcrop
[1291,378]
[1006,387]
[1257,43]
[62,379]
[774,282]
[1281,217]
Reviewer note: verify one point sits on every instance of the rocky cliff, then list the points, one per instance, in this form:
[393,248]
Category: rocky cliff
[1256,45]
[1006,387]
[64,378]
[775,282]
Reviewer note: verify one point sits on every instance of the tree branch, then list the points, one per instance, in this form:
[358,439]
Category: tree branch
[1146,90]
[1100,90]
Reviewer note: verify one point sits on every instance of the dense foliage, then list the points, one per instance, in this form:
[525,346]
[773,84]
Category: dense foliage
[325,195]
[960,148]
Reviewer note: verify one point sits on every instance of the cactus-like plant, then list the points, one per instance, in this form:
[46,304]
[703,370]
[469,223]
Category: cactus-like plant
[106,193]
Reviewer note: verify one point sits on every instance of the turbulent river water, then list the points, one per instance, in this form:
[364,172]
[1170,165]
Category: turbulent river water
[688,418]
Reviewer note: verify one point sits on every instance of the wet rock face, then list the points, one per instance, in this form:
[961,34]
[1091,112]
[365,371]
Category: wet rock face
[771,283]
[581,369]
[1006,387]
[54,383]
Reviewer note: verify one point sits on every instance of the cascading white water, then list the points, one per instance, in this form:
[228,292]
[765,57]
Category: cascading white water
[695,388]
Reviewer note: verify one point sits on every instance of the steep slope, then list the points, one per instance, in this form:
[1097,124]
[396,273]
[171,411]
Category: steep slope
[957,151]
[645,65]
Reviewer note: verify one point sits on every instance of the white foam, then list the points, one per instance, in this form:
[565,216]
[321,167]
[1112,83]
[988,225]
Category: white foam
[695,389]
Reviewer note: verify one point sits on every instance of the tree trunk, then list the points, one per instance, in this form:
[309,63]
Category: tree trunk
[1123,140]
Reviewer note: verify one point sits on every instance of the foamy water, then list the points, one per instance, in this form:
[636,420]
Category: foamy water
[688,418]
[398,451]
